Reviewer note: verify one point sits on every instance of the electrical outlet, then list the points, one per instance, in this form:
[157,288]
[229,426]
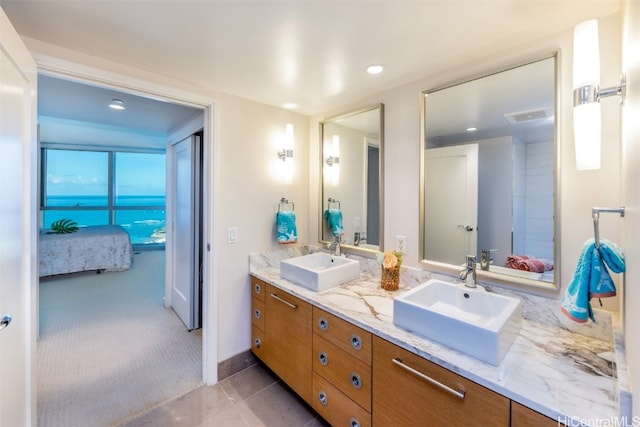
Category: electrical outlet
[401,244]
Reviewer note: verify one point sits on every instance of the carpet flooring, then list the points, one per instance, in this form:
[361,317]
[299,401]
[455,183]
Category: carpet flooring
[108,350]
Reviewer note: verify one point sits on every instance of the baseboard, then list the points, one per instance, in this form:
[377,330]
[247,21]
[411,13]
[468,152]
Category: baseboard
[235,364]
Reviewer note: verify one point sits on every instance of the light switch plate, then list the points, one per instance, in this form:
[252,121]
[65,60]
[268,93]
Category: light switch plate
[232,235]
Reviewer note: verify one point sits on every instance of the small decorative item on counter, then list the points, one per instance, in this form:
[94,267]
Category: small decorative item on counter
[391,262]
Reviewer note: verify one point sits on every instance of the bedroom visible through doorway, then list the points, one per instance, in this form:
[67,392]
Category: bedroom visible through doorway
[77,128]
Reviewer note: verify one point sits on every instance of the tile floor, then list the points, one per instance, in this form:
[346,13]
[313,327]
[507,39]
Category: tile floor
[252,397]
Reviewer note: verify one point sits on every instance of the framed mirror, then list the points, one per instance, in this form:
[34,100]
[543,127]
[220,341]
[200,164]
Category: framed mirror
[489,175]
[351,153]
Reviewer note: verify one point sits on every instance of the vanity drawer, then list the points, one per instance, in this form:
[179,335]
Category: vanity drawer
[257,342]
[347,373]
[257,313]
[258,289]
[335,407]
[401,379]
[352,339]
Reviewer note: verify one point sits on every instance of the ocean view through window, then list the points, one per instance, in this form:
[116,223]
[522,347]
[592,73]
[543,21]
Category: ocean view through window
[106,187]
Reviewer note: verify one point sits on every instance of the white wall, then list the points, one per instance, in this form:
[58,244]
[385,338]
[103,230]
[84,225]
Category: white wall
[631,193]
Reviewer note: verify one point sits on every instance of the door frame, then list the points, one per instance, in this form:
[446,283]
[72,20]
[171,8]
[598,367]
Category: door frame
[95,76]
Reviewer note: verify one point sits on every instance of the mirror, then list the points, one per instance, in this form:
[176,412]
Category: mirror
[488,175]
[351,153]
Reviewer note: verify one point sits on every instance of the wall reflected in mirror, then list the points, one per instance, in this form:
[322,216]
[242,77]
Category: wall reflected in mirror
[488,174]
[351,156]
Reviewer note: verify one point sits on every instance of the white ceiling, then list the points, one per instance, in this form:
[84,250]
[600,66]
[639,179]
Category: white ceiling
[312,53]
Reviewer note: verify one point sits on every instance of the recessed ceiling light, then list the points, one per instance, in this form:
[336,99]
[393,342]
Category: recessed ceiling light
[472,129]
[375,69]
[117,104]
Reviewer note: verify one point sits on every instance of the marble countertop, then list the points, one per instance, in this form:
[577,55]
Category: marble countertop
[565,375]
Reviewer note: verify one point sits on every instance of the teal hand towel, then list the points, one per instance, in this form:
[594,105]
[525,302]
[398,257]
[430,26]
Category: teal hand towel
[286,225]
[333,219]
[612,255]
[592,279]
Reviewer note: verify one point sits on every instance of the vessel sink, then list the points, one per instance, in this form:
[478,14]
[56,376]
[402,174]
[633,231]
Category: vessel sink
[319,271]
[473,321]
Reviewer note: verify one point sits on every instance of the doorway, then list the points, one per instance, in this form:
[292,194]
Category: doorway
[205,123]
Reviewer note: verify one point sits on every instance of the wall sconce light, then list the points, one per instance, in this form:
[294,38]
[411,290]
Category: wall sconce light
[587,94]
[286,154]
[333,160]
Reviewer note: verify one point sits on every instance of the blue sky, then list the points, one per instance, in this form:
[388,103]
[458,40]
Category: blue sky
[85,173]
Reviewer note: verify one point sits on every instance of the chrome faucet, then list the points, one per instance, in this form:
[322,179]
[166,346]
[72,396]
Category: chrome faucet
[470,281]
[335,245]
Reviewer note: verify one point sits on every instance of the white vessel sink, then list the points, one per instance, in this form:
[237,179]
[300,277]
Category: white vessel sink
[319,271]
[473,321]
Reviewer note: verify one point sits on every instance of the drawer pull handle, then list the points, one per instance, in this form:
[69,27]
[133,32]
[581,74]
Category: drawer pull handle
[257,313]
[324,360]
[277,298]
[257,288]
[257,342]
[323,324]
[353,422]
[356,382]
[456,393]
[322,397]
[356,342]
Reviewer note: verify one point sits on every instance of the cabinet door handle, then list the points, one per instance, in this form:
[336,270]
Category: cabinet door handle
[353,422]
[258,343]
[356,381]
[456,393]
[322,397]
[323,324]
[257,288]
[257,313]
[277,298]
[356,342]
[324,360]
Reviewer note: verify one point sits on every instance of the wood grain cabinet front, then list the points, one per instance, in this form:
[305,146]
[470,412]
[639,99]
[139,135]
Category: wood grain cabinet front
[341,370]
[521,416]
[409,391]
[288,339]
[285,342]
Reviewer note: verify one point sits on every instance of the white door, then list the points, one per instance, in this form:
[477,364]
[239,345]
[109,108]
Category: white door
[18,151]
[185,287]
[451,199]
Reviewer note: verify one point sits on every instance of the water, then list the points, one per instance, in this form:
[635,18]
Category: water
[145,226]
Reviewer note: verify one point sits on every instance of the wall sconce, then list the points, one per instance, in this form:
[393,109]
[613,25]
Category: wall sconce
[286,154]
[333,160]
[587,94]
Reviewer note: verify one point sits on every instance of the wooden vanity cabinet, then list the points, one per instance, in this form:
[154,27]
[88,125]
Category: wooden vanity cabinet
[258,290]
[341,371]
[285,345]
[409,391]
[354,378]
[521,416]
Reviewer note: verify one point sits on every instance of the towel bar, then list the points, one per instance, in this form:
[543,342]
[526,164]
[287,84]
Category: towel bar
[330,201]
[595,213]
[285,202]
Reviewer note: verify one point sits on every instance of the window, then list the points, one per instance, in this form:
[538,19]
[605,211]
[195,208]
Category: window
[106,187]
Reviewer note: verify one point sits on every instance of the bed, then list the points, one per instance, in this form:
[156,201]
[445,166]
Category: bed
[100,247]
